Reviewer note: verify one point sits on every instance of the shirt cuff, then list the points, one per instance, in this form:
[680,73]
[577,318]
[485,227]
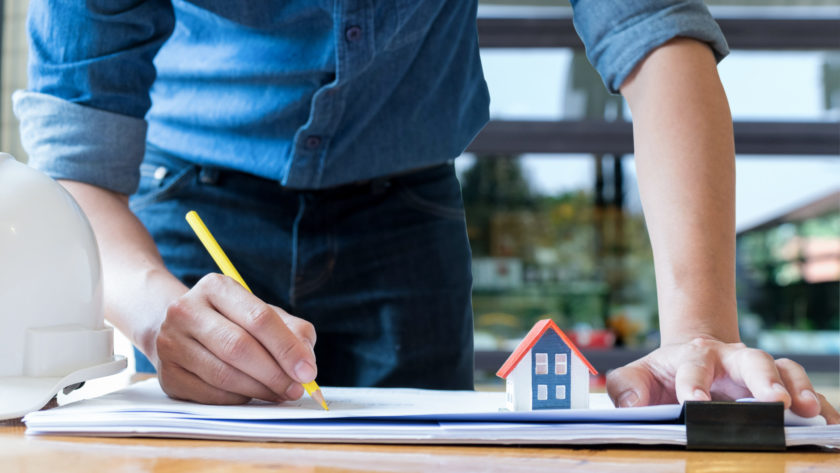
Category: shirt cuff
[70,141]
[616,48]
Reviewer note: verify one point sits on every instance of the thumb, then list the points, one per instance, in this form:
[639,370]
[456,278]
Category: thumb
[630,386]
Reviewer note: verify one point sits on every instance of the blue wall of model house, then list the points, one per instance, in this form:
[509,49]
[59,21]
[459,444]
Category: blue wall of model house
[551,344]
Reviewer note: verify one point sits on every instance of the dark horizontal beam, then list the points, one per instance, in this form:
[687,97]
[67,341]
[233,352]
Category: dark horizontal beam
[527,33]
[554,29]
[811,138]
[600,137]
[776,34]
[517,137]
[605,360]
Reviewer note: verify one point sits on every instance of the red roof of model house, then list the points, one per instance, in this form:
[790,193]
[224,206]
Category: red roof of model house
[528,342]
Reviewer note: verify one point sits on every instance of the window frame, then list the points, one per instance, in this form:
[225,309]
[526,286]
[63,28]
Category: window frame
[542,392]
[561,359]
[540,366]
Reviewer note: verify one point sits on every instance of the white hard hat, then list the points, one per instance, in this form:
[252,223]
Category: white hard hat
[52,330]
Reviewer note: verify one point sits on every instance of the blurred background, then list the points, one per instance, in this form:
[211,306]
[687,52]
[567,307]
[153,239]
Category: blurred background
[553,210]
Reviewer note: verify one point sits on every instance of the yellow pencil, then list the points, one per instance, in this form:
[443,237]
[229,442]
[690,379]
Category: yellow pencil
[227,268]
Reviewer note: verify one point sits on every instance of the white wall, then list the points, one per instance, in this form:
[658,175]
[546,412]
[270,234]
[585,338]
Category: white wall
[521,377]
[14,51]
[580,384]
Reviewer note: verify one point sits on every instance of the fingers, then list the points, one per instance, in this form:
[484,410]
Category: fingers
[757,371]
[304,330]
[804,399]
[828,411]
[179,383]
[631,385]
[667,375]
[704,369]
[694,378]
[194,319]
[264,324]
[213,371]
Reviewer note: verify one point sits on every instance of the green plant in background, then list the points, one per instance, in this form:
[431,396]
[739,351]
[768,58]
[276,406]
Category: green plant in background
[558,256]
[789,272]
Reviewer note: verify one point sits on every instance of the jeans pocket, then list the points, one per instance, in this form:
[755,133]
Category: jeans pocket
[435,192]
[160,181]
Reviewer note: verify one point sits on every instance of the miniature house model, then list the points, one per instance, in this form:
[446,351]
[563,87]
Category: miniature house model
[546,371]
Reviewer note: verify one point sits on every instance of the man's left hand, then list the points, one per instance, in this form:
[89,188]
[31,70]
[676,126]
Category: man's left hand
[705,369]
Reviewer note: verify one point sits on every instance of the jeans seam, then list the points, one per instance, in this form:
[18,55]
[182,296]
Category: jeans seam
[311,286]
[294,249]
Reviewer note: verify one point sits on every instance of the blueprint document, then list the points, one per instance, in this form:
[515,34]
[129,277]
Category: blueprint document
[381,415]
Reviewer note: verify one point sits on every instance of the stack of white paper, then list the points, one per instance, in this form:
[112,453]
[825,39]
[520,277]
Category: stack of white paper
[380,415]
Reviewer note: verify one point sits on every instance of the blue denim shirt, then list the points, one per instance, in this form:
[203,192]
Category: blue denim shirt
[311,93]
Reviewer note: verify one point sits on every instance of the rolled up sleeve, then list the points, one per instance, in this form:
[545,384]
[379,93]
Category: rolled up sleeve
[70,141]
[90,71]
[618,35]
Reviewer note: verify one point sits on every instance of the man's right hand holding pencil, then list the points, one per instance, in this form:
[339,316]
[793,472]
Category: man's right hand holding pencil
[215,343]
[221,344]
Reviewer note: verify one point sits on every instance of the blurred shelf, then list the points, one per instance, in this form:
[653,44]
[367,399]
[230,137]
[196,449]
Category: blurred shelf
[602,137]
[766,28]
[605,360]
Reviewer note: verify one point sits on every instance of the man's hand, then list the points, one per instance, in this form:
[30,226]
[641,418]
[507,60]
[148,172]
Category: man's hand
[705,369]
[220,344]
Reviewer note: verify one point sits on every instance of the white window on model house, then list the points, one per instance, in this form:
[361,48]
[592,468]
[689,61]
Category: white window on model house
[541,363]
[560,391]
[542,392]
[561,364]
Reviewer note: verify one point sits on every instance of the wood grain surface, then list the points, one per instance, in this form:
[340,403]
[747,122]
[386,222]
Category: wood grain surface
[20,453]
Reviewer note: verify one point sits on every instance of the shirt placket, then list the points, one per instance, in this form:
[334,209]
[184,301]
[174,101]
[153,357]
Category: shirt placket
[353,36]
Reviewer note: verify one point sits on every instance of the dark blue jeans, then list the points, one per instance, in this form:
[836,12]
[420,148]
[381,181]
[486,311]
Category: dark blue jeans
[380,268]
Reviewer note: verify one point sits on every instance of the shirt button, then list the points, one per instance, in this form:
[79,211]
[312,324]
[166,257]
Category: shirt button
[353,33]
[312,141]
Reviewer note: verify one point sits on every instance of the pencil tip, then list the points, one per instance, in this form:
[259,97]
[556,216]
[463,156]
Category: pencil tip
[319,397]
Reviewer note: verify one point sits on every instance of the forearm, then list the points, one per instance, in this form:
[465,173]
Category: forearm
[137,285]
[685,162]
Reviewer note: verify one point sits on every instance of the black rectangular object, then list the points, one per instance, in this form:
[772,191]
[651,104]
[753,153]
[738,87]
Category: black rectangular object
[712,425]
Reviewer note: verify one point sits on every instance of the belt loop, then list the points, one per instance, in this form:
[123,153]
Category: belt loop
[208,175]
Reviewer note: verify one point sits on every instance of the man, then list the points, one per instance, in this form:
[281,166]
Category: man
[315,140]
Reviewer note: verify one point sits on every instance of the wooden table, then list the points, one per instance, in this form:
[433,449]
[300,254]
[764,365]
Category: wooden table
[19,453]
